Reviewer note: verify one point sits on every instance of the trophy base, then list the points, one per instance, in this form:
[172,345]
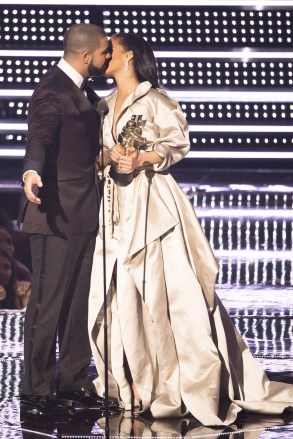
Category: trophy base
[120,177]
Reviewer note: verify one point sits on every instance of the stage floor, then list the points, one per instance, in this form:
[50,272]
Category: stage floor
[251,232]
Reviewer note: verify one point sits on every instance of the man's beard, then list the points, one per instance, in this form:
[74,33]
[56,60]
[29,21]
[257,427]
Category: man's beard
[97,71]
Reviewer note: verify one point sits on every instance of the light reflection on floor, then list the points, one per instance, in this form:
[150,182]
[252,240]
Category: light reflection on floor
[251,232]
[246,427]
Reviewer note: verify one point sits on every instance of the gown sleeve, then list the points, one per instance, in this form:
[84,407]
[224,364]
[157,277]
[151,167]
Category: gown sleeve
[172,135]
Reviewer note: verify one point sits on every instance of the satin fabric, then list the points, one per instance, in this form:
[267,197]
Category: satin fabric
[182,349]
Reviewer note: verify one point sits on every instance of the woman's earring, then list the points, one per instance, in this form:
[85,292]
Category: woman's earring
[126,63]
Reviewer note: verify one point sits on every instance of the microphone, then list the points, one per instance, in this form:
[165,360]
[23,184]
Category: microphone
[101,107]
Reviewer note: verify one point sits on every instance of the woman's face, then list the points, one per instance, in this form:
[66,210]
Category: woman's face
[5,271]
[118,57]
[6,241]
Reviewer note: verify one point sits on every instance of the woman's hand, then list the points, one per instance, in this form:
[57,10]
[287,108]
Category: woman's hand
[2,293]
[116,152]
[129,162]
[126,163]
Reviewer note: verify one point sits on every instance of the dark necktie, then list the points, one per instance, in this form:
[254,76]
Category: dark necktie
[84,84]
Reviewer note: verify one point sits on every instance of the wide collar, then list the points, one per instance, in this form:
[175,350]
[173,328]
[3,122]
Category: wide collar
[141,90]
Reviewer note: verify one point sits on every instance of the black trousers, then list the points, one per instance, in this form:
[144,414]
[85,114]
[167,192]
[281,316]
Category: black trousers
[58,310]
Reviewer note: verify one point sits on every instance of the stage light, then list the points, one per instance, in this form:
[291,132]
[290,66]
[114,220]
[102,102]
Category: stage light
[210,74]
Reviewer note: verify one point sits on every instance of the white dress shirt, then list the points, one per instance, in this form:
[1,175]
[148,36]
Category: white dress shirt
[71,72]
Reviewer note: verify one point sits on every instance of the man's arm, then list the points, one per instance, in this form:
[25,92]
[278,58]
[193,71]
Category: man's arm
[44,123]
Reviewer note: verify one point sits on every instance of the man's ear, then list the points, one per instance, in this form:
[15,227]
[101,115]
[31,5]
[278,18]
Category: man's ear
[86,57]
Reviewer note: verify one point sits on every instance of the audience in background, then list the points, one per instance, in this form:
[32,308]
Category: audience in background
[15,274]
[6,241]
[14,293]
[6,221]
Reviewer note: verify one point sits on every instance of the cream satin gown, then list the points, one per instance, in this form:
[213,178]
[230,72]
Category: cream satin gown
[183,351]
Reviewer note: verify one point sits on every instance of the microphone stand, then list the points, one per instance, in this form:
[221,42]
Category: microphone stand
[102,108]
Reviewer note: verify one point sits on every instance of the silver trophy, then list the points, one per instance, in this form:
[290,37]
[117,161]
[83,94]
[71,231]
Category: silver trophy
[130,136]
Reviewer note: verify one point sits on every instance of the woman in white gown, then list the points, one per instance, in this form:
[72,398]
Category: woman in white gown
[172,346]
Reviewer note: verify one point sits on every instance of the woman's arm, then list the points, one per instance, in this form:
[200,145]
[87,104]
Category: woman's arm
[134,159]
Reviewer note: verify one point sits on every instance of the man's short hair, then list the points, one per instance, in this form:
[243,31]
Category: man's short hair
[83,37]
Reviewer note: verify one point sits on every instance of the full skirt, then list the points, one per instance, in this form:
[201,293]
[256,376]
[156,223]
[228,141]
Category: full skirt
[164,319]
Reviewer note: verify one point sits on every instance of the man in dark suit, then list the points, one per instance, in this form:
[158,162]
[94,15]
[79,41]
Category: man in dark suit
[61,214]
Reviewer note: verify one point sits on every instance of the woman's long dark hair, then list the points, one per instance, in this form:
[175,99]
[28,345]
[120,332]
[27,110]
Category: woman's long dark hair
[145,65]
[9,301]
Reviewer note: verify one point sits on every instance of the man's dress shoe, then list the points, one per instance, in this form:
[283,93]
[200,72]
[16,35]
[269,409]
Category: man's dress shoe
[86,397]
[43,405]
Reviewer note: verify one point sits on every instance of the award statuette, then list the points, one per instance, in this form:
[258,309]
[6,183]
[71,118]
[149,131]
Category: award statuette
[130,136]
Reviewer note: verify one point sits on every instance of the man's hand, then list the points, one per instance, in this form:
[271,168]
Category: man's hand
[31,182]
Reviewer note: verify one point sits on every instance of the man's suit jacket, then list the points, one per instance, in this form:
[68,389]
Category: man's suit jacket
[62,144]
